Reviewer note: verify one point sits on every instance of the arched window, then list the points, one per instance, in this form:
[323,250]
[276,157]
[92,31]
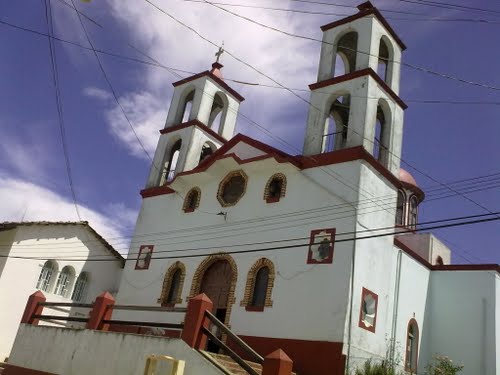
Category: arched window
[400,208]
[412,338]
[412,214]
[336,125]
[217,113]
[65,281]
[275,188]
[259,286]
[81,285]
[45,279]
[169,170]
[192,200]
[439,261]
[172,285]
[347,47]
[206,150]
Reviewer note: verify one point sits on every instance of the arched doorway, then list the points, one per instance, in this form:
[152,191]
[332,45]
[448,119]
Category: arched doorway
[216,277]
[216,284]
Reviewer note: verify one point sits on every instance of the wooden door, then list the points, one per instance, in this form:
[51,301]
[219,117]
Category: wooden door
[216,283]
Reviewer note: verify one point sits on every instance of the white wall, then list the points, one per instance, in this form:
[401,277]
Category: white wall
[84,352]
[20,276]
[305,294]
[463,307]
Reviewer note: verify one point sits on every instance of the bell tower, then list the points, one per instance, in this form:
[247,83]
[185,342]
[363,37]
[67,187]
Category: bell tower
[355,100]
[201,118]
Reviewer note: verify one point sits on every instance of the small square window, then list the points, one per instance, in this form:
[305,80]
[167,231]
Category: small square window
[144,257]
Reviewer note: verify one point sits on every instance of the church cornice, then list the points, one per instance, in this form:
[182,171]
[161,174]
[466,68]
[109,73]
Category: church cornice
[219,81]
[366,10]
[356,74]
[196,123]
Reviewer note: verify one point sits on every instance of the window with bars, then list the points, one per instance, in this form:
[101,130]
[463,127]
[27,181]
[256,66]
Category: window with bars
[45,277]
[64,281]
[80,290]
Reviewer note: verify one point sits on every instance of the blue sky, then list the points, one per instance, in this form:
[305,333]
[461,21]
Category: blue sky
[446,141]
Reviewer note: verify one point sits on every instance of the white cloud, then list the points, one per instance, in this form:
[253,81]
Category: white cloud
[97,93]
[23,200]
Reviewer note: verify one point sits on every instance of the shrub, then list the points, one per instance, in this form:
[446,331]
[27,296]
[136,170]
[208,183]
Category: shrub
[441,365]
[377,368]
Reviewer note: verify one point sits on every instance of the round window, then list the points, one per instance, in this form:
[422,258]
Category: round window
[232,188]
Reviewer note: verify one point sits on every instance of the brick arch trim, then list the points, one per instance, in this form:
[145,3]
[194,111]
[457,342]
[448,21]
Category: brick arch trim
[408,361]
[185,206]
[277,176]
[200,272]
[250,285]
[167,283]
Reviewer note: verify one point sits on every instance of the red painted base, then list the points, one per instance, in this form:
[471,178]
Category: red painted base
[309,357]
[17,370]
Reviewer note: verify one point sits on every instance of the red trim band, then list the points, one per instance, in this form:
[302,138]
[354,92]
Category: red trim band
[357,74]
[219,81]
[196,123]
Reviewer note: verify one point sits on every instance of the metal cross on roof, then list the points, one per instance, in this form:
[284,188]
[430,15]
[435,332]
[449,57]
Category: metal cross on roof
[219,52]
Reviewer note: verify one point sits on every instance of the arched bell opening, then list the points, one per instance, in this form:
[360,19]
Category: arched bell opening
[169,166]
[337,124]
[345,54]
[207,150]
[385,65]
[218,113]
[382,134]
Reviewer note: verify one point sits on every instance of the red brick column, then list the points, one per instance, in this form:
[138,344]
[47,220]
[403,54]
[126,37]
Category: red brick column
[195,320]
[277,363]
[32,308]
[102,310]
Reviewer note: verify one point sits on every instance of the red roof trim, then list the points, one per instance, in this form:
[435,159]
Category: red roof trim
[217,80]
[363,13]
[357,74]
[467,267]
[197,123]
[449,267]
[154,191]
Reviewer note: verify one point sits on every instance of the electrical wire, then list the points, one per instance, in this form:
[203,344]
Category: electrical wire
[275,248]
[60,115]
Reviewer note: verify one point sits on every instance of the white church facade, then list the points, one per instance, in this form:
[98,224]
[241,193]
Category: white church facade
[277,241]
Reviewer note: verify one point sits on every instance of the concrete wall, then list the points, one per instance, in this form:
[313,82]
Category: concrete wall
[19,277]
[462,309]
[83,352]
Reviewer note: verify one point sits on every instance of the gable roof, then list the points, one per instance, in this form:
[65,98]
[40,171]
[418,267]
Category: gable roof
[13,225]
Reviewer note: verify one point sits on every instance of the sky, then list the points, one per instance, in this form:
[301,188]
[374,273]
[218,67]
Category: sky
[451,129]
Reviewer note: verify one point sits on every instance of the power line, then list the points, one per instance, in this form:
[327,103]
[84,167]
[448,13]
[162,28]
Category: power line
[422,69]
[115,96]
[317,13]
[239,81]
[444,5]
[275,248]
[394,230]
[55,80]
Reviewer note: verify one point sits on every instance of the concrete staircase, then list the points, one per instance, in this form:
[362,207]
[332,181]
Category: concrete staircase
[229,366]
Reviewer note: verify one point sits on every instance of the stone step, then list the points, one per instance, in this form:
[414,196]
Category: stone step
[232,367]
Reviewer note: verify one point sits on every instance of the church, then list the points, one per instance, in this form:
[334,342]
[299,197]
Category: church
[317,254]
[289,247]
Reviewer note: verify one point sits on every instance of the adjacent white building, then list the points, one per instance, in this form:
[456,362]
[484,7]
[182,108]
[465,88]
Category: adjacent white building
[56,258]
